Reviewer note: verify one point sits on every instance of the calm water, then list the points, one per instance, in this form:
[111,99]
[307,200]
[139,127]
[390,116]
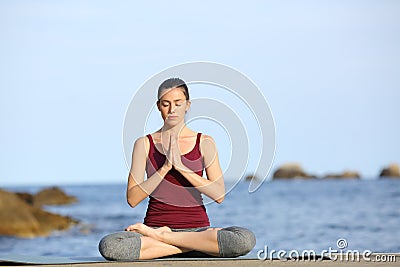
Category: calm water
[283,214]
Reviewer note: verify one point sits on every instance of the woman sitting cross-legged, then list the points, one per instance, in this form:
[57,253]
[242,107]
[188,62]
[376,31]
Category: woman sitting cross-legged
[176,222]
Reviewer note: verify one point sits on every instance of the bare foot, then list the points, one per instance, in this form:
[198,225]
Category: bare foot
[148,231]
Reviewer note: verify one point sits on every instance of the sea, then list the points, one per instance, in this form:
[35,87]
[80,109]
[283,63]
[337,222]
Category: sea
[284,215]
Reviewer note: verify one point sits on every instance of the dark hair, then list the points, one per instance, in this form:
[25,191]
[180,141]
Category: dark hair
[173,83]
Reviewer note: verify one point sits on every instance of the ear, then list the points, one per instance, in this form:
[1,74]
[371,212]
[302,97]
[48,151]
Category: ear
[187,105]
[158,106]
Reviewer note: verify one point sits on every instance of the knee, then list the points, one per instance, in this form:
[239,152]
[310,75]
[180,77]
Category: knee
[123,246]
[105,247]
[235,241]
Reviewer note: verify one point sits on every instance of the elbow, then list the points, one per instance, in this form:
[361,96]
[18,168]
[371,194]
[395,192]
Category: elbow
[132,203]
[134,196]
[131,197]
[220,199]
[221,194]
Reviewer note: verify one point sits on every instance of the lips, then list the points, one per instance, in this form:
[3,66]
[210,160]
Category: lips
[172,117]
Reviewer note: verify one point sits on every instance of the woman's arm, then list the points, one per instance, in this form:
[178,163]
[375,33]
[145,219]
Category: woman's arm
[137,188]
[213,186]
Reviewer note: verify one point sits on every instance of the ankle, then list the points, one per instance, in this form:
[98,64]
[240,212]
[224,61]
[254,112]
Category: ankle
[163,236]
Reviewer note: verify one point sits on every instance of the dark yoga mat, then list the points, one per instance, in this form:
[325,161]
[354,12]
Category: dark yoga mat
[29,259]
[10,259]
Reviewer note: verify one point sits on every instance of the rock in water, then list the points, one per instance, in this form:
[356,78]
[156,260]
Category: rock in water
[52,196]
[16,216]
[393,170]
[291,170]
[20,219]
[52,222]
[344,175]
[28,198]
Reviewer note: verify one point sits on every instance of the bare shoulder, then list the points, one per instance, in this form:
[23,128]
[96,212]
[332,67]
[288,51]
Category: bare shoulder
[142,143]
[142,140]
[206,137]
[207,143]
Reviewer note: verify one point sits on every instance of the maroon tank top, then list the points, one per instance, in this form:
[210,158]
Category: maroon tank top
[175,202]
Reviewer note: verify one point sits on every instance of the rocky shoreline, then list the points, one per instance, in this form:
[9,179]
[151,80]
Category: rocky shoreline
[296,171]
[22,214]
[291,171]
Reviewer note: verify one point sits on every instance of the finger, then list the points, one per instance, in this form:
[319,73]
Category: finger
[131,228]
[170,147]
[171,139]
[174,141]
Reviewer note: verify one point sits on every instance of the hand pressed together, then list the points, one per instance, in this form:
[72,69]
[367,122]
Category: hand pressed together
[173,156]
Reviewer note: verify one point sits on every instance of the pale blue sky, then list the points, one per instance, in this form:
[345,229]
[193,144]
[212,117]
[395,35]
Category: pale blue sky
[330,71]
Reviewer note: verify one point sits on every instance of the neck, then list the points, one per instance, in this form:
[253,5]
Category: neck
[176,129]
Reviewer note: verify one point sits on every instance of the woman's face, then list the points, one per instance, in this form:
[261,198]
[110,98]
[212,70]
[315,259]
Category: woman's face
[173,105]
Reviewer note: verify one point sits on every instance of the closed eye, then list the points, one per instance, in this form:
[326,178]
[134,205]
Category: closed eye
[178,104]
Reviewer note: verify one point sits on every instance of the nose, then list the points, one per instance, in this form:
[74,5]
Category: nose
[172,109]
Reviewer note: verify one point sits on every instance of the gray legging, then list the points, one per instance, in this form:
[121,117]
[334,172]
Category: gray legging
[124,246]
